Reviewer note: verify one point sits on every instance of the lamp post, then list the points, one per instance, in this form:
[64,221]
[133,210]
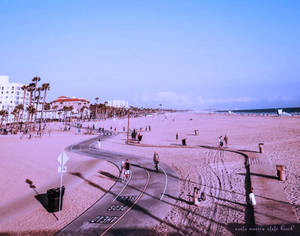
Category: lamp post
[127,140]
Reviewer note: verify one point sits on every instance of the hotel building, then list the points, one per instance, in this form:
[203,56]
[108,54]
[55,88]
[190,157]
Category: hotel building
[76,103]
[11,95]
[118,104]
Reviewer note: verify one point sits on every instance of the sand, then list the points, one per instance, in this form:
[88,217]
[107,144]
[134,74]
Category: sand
[219,174]
[35,159]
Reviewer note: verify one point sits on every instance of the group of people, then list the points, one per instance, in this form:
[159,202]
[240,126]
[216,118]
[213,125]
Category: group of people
[126,167]
[223,140]
[135,135]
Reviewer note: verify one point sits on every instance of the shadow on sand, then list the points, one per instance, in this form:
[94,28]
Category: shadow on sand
[41,198]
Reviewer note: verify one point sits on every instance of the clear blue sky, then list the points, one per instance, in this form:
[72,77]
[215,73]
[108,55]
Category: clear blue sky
[193,54]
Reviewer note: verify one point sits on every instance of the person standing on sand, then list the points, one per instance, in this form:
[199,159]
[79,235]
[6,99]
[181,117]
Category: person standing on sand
[196,197]
[225,140]
[252,197]
[156,161]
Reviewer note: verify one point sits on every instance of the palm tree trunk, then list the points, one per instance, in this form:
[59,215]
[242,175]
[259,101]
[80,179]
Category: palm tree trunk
[28,116]
[37,104]
[40,127]
[23,105]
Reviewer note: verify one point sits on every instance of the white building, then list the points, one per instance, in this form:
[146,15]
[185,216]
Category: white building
[118,103]
[76,103]
[11,95]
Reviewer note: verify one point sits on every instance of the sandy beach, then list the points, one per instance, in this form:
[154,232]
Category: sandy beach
[220,175]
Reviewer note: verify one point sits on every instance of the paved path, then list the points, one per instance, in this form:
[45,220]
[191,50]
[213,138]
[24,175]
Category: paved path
[131,208]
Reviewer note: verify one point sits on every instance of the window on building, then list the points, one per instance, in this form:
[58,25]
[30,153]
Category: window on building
[12,91]
[6,91]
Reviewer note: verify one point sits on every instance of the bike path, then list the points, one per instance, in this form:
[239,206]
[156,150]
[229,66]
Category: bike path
[127,208]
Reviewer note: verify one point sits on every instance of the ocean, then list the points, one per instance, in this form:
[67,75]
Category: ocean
[267,111]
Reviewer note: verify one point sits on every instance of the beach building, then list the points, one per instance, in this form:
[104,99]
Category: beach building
[80,107]
[118,104]
[11,95]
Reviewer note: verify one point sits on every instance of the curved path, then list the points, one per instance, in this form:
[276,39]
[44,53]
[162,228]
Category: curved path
[131,208]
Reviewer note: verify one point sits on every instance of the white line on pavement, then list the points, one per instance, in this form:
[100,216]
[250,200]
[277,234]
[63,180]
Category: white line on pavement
[162,195]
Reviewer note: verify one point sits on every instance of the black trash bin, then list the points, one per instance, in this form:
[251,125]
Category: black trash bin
[53,198]
[184,142]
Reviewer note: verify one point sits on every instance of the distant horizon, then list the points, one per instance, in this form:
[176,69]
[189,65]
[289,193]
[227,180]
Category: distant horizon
[183,55]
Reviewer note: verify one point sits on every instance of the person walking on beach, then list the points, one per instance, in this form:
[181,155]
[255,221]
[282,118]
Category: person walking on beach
[99,143]
[176,136]
[156,161]
[123,179]
[225,140]
[127,169]
[220,142]
[252,197]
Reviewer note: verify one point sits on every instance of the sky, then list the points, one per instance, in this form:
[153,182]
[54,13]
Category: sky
[181,54]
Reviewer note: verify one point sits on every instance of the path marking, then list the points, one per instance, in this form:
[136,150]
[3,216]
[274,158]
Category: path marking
[131,173]
[138,198]
[165,184]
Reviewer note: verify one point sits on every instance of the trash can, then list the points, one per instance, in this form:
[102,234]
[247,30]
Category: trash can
[280,172]
[260,147]
[183,142]
[53,198]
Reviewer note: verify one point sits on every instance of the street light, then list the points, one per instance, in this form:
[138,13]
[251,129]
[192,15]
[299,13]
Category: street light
[127,140]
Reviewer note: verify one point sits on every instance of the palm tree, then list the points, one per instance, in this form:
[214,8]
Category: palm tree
[97,99]
[30,89]
[19,108]
[24,88]
[3,114]
[15,114]
[47,106]
[45,87]
[82,110]
[39,89]
[66,109]
[35,80]
[31,111]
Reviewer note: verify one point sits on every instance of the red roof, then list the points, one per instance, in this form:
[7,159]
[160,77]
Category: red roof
[67,99]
